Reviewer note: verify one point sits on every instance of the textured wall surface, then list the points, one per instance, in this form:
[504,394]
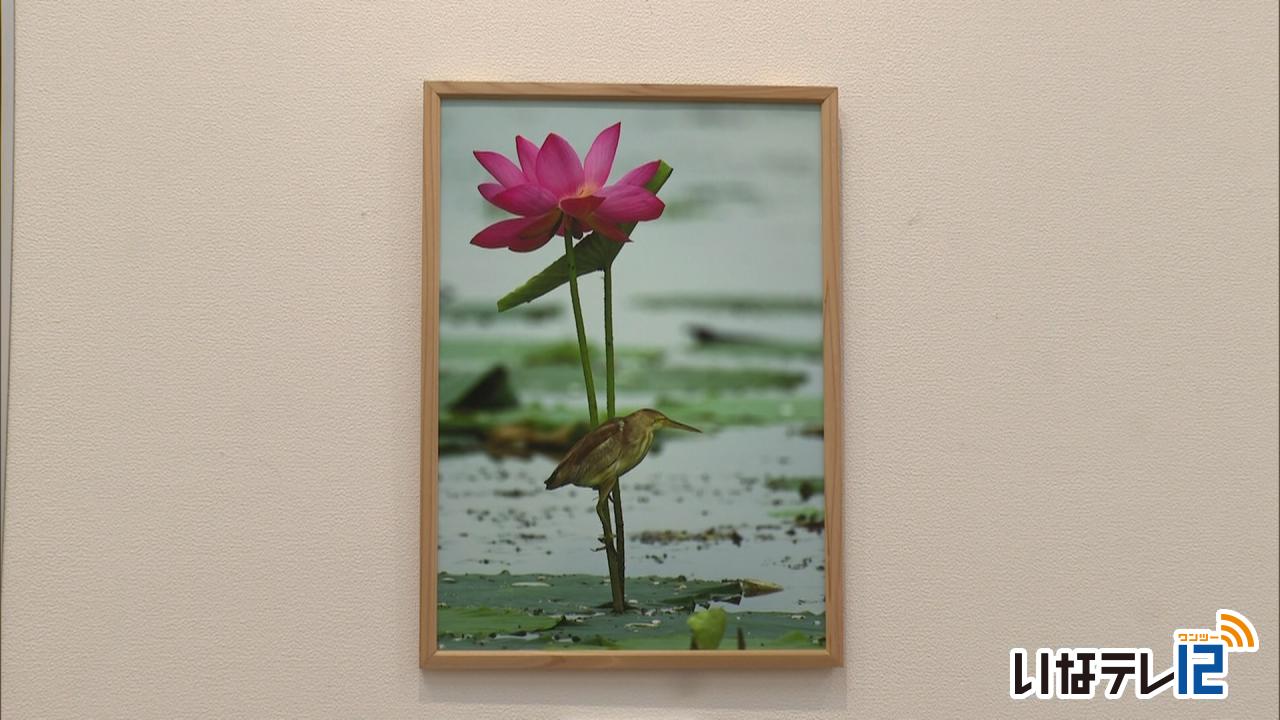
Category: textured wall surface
[1060,273]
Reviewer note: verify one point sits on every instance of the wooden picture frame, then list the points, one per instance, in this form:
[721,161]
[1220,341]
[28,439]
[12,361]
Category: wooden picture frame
[431,656]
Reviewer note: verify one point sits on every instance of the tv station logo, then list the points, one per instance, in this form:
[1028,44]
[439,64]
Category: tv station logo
[1199,669]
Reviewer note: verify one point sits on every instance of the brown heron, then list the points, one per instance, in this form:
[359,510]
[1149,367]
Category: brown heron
[599,459]
[608,452]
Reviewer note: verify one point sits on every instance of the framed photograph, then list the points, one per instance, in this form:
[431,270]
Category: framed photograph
[631,417]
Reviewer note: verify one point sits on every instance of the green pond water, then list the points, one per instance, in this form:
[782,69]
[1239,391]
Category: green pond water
[741,502]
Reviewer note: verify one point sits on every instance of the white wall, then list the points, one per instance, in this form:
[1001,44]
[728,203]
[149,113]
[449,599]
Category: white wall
[1060,278]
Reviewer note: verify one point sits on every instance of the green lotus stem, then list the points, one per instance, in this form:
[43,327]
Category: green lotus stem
[620,539]
[610,542]
[610,395]
[583,353]
[611,553]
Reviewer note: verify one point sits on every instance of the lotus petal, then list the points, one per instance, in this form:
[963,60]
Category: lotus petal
[502,169]
[559,169]
[641,175]
[581,207]
[599,160]
[526,200]
[528,154]
[628,203]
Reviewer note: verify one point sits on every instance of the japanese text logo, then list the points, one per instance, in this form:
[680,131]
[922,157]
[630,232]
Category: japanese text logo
[1199,670]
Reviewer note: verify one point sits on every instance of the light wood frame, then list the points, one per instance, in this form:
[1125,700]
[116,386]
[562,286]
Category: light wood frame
[429,654]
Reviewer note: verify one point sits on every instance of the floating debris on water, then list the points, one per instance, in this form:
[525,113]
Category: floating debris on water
[756,304]
[667,537]
[806,486]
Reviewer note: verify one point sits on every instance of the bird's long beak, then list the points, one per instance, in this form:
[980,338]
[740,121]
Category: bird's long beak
[680,426]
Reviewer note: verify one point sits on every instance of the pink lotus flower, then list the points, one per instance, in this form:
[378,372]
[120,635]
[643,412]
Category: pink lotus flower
[553,192]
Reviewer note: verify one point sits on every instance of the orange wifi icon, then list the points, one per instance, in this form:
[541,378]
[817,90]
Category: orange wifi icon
[1237,632]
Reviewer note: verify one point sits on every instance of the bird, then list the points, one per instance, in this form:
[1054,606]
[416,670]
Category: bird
[608,452]
[597,461]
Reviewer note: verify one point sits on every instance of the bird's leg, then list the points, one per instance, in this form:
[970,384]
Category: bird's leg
[610,551]
[620,540]
[602,510]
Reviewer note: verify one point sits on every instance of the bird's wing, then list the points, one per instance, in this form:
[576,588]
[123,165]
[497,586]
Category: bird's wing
[596,451]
